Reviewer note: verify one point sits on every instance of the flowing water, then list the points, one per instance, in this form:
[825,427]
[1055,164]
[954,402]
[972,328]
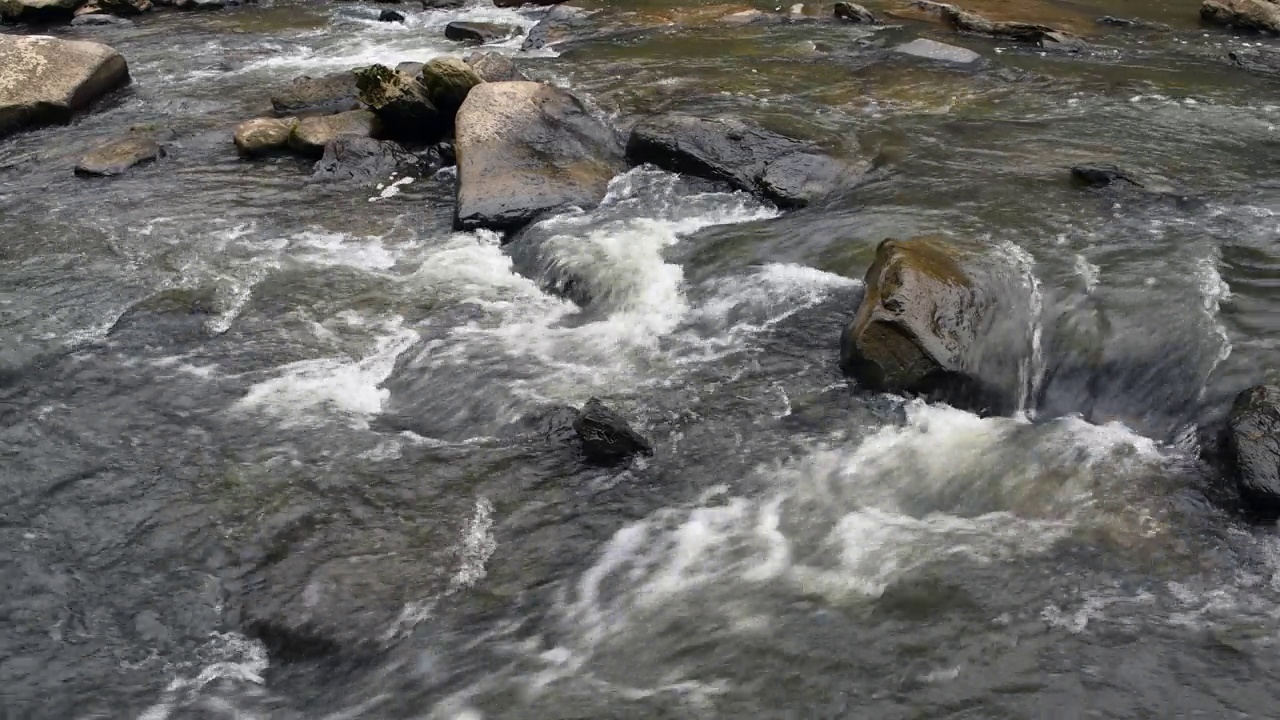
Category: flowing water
[234,399]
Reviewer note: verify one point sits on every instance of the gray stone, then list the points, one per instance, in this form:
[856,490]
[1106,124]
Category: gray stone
[311,134]
[494,67]
[100,20]
[1256,15]
[117,156]
[524,149]
[934,50]
[200,4]
[476,33]
[45,80]
[324,95]
[855,13]
[1254,448]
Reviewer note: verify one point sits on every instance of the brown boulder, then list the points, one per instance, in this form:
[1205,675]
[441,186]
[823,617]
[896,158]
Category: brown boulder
[45,80]
[263,136]
[1257,15]
[117,156]
[311,134]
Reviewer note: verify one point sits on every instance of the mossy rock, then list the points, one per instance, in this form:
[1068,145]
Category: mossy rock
[447,82]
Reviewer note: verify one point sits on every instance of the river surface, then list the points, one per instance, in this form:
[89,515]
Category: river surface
[228,393]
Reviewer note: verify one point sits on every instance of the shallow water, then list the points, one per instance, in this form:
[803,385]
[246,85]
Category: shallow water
[228,393]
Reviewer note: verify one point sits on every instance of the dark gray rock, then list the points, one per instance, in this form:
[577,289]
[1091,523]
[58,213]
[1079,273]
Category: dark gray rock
[748,157]
[855,13]
[200,4]
[325,95]
[941,52]
[606,437]
[1254,448]
[402,104]
[524,149]
[410,68]
[1102,175]
[361,159]
[390,16]
[941,321]
[442,4]
[117,156]
[494,67]
[561,24]
[1131,23]
[1260,61]
[477,33]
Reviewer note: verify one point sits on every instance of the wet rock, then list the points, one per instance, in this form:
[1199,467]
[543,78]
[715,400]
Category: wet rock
[325,95]
[311,134]
[37,11]
[1255,15]
[748,157]
[855,13]
[45,80]
[448,81]
[442,4]
[1260,61]
[117,156]
[122,8]
[390,16]
[1133,23]
[966,22]
[525,148]
[402,103]
[100,20]
[410,68]
[362,158]
[941,52]
[1254,448]
[263,136]
[518,3]
[476,33]
[606,437]
[199,4]
[1102,175]
[560,25]
[929,313]
[494,67]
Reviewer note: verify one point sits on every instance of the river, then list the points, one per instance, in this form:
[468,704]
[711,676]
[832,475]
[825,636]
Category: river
[229,393]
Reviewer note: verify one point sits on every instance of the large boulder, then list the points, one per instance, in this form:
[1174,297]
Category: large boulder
[748,157]
[1257,15]
[38,10]
[524,149]
[310,135]
[324,95]
[940,320]
[401,102]
[478,33]
[45,80]
[263,136]
[448,81]
[117,156]
[494,67]
[1254,448]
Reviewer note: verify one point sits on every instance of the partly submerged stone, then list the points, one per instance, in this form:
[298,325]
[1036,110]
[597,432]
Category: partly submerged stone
[325,95]
[606,437]
[100,20]
[357,158]
[1103,175]
[940,321]
[1255,15]
[311,134]
[477,33]
[200,4]
[45,80]
[790,172]
[117,156]
[494,67]
[37,11]
[402,103]
[855,13]
[941,52]
[390,16]
[1254,448]
[263,136]
[524,149]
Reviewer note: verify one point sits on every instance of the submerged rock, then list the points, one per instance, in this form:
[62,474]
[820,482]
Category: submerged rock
[200,4]
[1256,15]
[1133,23]
[921,327]
[362,158]
[934,50]
[1260,61]
[964,21]
[525,148]
[606,437]
[310,135]
[561,24]
[442,4]
[36,11]
[117,156]
[748,157]
[855,13]
[1254,448]
[479,32]
[1102,175]
[263,136]
[390,16]
[494,67]
[45,80]
[326,95]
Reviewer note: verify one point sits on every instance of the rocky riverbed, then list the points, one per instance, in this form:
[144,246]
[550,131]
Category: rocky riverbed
[475,359]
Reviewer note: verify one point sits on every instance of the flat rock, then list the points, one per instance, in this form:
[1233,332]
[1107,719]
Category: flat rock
[361,159]
[1254,15]
[311,134]
[941,52]
[524,149]
[494,67]
[324,95]
[1254,448]
[45,80]
[101,20]
[38,11]
[476,33]
[263,136]
[117,156]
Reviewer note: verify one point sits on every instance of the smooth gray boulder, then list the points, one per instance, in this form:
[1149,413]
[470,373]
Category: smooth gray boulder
[941,52]
[45,80]
[325,95]
[524,149]
[117,156]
